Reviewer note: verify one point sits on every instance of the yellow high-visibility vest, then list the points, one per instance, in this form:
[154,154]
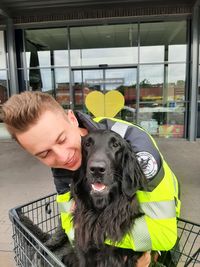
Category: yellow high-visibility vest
[157,229]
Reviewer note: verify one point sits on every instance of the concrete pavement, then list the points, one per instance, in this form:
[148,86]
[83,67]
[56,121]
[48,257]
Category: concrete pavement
[23,178]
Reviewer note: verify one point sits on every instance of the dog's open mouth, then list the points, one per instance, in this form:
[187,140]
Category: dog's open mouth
[98,187]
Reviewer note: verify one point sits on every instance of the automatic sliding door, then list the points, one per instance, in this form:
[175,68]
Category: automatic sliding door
[105,80]
[85,81]
[124,80]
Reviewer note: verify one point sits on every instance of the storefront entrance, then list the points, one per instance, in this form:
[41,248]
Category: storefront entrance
[158,108]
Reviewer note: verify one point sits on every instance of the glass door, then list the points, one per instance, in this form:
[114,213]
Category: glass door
[104,80]
[162,100]
[124,80]
[85,81]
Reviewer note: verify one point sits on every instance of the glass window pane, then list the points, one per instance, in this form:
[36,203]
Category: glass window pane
[124,81]
[62,86]
[175,88]
[127,76]
[150,54]
[125,55]
[44,58]
[151,93]
[80,92]
[92,79]
[61,58]
[110,44]
[85,81]
[172,121]
[151,76]
[42,46]
[177,53]
[164,121]
[162,94]
[199,85]
[75,57]
[163,41]
[3,87]
[2,51]
[40,80]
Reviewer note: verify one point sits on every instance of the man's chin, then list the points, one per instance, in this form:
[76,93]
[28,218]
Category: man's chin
[73,167]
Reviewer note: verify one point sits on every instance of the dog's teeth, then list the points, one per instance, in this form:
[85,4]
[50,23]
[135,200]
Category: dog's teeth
[98,187]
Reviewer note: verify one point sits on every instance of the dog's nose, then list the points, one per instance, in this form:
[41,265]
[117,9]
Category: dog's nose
[97,167]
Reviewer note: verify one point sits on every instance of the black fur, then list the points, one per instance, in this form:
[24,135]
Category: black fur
[108,213]
[106,205]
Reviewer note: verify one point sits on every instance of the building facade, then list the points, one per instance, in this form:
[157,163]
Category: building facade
[147,50]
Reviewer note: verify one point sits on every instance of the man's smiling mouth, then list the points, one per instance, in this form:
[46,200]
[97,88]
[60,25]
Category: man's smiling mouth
[72,161]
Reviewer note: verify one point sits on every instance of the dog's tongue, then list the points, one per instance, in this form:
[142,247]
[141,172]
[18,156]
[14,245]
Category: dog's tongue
[98,186]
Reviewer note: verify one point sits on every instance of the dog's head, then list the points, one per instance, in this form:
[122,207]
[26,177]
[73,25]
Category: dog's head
[111,167]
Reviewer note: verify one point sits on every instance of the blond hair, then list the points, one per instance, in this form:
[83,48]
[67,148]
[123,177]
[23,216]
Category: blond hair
[22,111]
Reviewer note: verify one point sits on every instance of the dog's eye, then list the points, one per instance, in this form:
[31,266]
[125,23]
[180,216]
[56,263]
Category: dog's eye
[87,144]
[115,143]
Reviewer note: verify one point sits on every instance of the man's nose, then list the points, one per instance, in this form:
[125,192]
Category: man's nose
[61,154]
[97,167]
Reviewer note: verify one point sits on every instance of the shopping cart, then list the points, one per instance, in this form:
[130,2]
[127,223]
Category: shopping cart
[29,251]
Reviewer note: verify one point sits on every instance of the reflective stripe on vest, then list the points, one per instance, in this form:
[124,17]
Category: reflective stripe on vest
[159,210]
[64,204]
[177,199]
[120,128]
[142,242]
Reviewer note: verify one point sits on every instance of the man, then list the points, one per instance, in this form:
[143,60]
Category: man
[45,130]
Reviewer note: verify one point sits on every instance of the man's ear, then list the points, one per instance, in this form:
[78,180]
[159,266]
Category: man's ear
[72,118]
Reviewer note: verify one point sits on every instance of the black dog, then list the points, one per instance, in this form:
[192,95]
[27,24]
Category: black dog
[106,205]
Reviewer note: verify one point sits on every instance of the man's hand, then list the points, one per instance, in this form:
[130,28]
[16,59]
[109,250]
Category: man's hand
[73,206]
[144,260]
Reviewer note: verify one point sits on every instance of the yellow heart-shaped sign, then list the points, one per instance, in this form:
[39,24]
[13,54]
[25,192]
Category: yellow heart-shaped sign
[104,105]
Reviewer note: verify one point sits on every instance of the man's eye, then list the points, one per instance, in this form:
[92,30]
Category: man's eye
[62,141]
[44,155]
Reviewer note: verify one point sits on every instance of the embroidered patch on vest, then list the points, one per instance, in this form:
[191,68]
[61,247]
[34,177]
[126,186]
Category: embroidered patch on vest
[147,163]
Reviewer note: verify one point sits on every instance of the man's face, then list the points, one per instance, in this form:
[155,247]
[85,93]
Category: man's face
[54,140]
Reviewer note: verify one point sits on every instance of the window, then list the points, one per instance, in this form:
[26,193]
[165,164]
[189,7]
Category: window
[3,71]
[110,44]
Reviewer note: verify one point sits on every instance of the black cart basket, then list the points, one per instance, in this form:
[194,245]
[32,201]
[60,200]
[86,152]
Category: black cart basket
[29,251]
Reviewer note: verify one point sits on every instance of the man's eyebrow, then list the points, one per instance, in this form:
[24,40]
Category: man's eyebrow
[37,154]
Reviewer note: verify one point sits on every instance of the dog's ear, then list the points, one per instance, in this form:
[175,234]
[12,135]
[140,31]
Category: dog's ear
[133,177]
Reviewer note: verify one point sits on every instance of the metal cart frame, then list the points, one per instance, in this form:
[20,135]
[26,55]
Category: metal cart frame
[29,251]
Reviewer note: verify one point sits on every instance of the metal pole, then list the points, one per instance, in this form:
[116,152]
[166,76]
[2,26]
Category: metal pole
[71,90]
[194,75]
[14,88]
